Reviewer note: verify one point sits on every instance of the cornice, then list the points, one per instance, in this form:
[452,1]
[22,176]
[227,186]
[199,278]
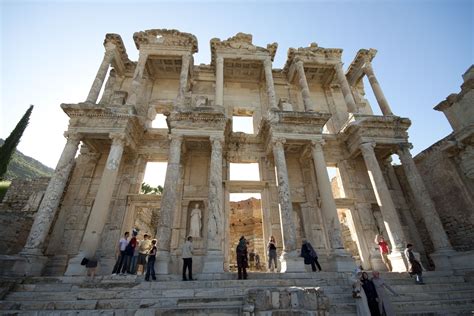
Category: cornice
[165,37]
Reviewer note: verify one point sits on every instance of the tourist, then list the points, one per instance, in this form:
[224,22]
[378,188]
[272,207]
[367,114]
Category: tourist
[272,255]
[133,265]
[384,251]
[187,255]
[143,248]
[309,255]
[242,260]
[257,261]
[414,266]
[91,267]
[252,259]
[385,305]
[371,294]
[129,251]
[150,267]
[122,245]
[359,295]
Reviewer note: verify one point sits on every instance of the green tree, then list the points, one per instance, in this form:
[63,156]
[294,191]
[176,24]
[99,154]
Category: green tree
[9,146]
[148,189]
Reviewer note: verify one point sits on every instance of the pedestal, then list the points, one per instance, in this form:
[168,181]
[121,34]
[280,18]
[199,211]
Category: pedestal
[74,266]
[162,263]
[398,261]
[29,264]
[441,259]
[291,262]
[213,262]
[340,261]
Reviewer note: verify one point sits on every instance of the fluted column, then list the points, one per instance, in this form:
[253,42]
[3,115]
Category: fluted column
[101,73]
[383,104]
[33,261]
[168,203]
[267,63]
[387,208]
[425,205]
[346,90]
[183,78]
[214,261]
[328,205]
[137,79]
[308,104]
[219,99]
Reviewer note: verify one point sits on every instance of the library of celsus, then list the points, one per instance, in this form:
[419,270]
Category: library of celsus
[325,168]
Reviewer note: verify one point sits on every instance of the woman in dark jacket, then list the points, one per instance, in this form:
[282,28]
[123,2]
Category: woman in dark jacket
[371,293]
[242,260]
[309,255]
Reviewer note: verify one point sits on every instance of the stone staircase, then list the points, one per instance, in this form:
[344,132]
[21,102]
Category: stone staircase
[221,294]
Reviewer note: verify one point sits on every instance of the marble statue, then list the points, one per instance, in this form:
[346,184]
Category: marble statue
[195,226]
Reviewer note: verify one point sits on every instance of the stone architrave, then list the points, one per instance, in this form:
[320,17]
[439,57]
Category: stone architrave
[289,258]
[346,90]
[137,79]
[308,104]
[214,261]
[183,78]
[219,99]
[267,63]
[168,204]
[101,73]
[387,208]
[425,205]
[33,249]
[383,104]
[100,210]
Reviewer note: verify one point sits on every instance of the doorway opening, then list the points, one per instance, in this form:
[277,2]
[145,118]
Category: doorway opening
[246,219]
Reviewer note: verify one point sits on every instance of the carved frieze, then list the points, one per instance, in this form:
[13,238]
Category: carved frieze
[167,38]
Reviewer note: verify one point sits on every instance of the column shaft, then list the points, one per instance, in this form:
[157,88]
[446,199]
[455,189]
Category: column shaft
[327,199]
[49,205]
[137,79]
[384,199]
[423,201]
[383,104]
[215,224]
[270,85]
[100,211]
[308,104]
[183,78]
[346,90]
[219,99]
[286,208]
[100,77]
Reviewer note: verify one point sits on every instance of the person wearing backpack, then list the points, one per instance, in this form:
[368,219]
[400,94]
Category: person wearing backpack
[242,260]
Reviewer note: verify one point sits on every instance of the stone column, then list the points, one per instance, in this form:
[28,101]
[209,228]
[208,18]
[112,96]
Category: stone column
[33,250]
[289,257]
[308,104]
[137,79]
[425,205]
[109,88]
[101,73]
[342,260]
[267,64]
[100,210]
[219,99]
[214,261]
[387,208]
[346,90]
[383,104]
[168,204]
[183,78]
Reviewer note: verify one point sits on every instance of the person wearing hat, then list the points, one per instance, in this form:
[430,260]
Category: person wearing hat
[187,255]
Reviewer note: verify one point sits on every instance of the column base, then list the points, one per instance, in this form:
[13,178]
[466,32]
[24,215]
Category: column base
[74,266]
[398,261]
[291,262]
[213,262]
[29,264]
[441,259]
[339,260]
[162,264]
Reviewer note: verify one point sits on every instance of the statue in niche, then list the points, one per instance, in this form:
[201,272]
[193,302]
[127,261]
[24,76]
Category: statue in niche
[195,223]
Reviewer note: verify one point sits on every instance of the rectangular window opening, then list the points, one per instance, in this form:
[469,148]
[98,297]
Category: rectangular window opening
[245,171]
[336,182]
[159,121]
[242,124]
[154,178]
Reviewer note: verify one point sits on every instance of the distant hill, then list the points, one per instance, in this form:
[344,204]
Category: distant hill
[24,167]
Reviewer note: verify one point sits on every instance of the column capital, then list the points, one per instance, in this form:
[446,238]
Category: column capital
[267,62]
[299,63]
[219,59]
[73,136]
[176,137]
[278,141]
[318,144]
[404,147]
[367,67]
[118,138]
[216,139]
[367,147]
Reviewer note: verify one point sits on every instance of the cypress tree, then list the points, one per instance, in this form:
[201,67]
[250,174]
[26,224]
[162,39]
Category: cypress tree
[9,146]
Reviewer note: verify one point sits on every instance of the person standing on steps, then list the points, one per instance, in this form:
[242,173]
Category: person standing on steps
[414,267]
[143,248]
[371,294]
[385,305]
[122,245]
[272,255]
[242,260]
[187,255]
[309,255]
[384,251]
[129,251]
[150,267]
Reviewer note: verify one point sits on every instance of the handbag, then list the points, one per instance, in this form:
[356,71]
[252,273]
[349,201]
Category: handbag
[356,294]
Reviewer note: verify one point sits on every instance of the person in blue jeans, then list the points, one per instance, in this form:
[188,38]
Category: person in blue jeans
[122,245]
[150,267]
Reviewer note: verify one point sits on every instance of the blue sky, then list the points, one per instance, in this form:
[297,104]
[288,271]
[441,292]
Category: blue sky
[51,50]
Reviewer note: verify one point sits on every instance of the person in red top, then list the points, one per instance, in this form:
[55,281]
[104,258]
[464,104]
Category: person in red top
[384,251]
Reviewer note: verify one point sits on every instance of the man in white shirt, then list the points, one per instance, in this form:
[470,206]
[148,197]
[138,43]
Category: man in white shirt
[187,256]
[122,245]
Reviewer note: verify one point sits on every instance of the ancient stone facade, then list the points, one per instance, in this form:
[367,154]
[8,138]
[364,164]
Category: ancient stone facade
[290,108]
